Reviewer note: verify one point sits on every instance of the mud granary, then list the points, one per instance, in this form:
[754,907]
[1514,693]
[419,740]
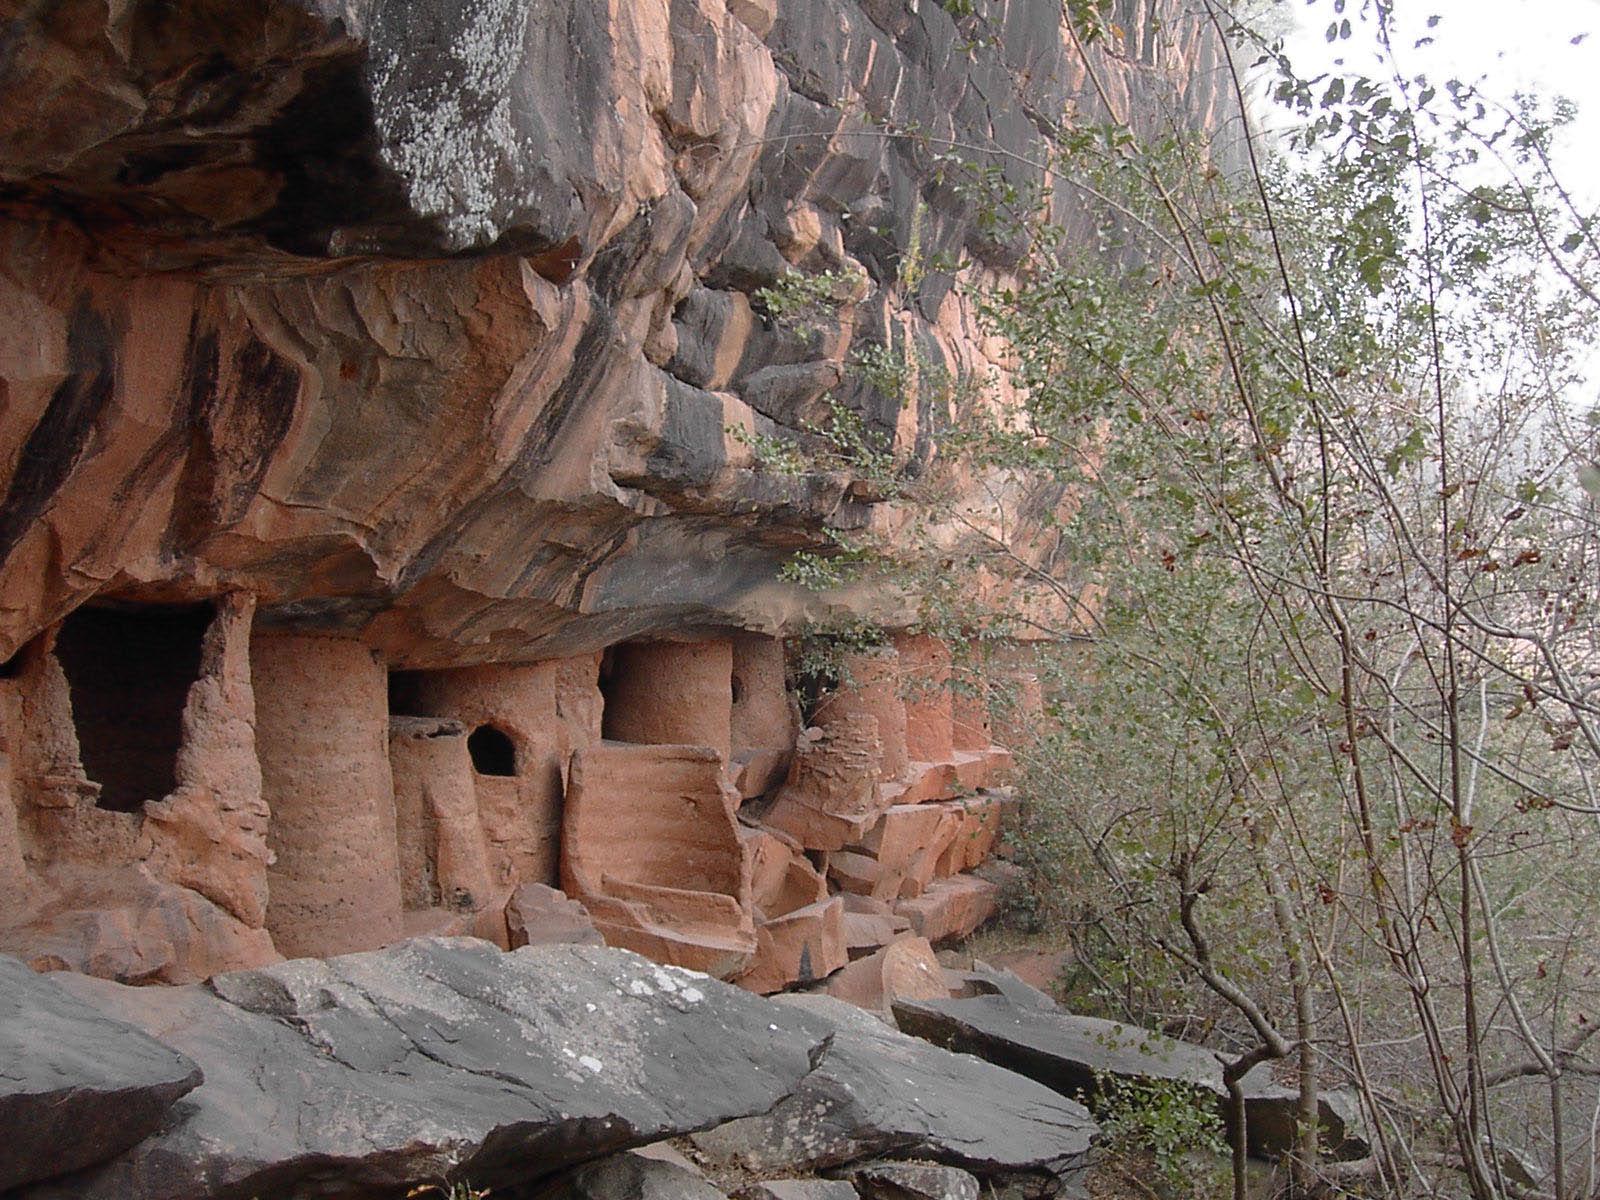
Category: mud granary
[380,534]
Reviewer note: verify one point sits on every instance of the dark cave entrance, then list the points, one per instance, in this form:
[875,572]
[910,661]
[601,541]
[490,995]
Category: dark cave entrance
[492,751]
[129,671]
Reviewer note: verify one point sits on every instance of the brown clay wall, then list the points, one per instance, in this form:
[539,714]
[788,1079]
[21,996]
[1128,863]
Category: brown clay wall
[548,710]
[443,853]
[871,688]
[671,694]
[323,738]
[925,688]
[762,716]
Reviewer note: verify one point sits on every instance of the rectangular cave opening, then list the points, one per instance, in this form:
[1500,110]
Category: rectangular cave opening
[667,693]
[405,694]
[129,670]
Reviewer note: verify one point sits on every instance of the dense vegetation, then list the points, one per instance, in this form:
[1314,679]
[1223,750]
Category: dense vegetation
[1320,780]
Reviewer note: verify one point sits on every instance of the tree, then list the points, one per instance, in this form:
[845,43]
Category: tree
[1329,720]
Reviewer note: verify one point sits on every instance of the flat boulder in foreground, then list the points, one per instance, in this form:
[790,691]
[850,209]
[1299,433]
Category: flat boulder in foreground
[76,1086]
[1075,1056]
[434,1060]
[1068,1054]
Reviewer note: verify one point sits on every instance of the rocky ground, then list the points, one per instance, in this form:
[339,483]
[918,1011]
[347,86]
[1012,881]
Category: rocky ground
[445,1062]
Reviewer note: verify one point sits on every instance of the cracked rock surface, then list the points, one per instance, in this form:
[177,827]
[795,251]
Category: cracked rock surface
[877,1092]
[436,1059]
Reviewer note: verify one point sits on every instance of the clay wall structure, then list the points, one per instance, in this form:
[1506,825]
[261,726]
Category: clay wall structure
[381,536]
[322,732]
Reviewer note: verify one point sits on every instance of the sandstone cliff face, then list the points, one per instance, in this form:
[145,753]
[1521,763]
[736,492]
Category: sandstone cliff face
[428,320]
[371,336]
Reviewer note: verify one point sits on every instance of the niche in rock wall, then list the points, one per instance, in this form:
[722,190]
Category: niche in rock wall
[492,751]
[765,719]
[669,694]
[129,671]
[518,726]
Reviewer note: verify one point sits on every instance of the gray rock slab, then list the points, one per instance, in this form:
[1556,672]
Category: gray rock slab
[985,980]
[875,1092]
[1072,1055]
[76,1086]
[913,1181]
[438,1059]
[1068,1054]
[1269,1119]
[797,1189]
[632,1177]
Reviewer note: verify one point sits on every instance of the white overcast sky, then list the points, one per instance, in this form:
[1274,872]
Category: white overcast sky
[1508,45]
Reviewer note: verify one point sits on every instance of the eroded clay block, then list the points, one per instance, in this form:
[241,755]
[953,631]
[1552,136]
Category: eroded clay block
[951,908]
[925,690]
[926,781]
[538,915]
[866,933]
[904,970]
[852,871]
[671,693]
[764,717]
[799,947]
[757,772]
[443,854]
[866,904]
[651,847]
[831,797]
[972,841]
[976,769]
[907,845]
[873,690]
[781,878]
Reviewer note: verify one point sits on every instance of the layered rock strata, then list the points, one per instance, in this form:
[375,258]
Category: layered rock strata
[381,384]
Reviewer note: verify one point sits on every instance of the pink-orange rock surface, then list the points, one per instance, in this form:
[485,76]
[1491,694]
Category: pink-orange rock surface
[380,526]
[651,848]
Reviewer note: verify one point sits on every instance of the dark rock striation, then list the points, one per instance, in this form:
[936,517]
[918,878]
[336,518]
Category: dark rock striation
[428,320]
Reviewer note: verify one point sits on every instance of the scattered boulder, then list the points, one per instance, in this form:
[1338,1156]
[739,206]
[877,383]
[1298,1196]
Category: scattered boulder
[76,1086]
[800,933]
[951,908]
[797,947]
[1269,1119]
[633,1177]
[1074,1056]
[540,915]
[982,979]
[874,1092]
[1068,1054]
[797,1189]
[437,1060]
[904,969]
[913,1181]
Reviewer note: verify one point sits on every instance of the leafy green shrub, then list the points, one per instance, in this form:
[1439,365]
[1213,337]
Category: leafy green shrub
[1168,1120]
